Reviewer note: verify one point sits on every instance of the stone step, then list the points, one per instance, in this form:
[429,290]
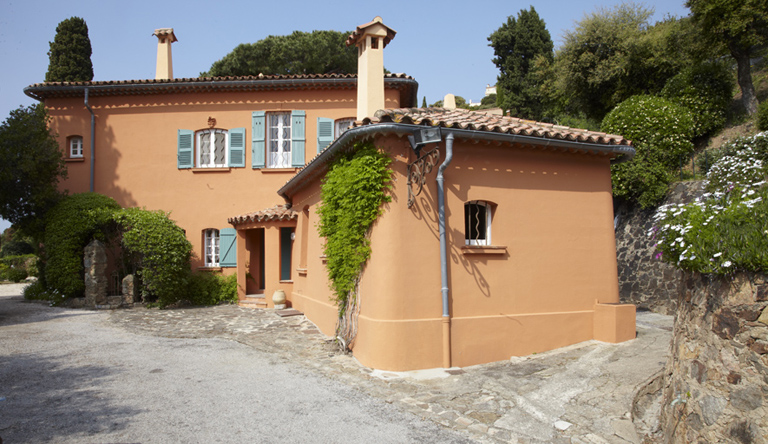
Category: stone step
[253,301]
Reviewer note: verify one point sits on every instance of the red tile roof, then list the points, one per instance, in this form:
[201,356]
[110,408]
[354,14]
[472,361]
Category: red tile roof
[479,121]
[276,213]
[41,91]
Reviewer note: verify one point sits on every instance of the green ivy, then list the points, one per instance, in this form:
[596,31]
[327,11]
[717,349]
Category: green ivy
[352,194]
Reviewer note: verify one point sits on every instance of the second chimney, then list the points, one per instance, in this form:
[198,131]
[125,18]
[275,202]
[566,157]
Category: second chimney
[165,37]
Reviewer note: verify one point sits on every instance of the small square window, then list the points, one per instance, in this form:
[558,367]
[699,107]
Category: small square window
[75,147]
[477,223]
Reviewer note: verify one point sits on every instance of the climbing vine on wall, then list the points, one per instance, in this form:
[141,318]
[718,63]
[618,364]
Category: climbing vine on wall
[352,194]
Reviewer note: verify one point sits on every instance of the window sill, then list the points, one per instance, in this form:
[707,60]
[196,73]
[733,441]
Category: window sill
[290,281]
[278,170]
[211,170]
[301,271]
[210,269]
[74,159]
[484,249]
[324,259]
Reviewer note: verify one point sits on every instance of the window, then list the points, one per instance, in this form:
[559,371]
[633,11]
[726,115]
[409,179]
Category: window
[278,139]
[75,146]
[328,130]
[211,148]
[477,223]
[342,125]
[211,247]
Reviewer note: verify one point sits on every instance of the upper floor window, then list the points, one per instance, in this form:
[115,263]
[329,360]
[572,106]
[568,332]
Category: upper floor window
[328,130]
[75,146]
[279,140]
[477,223]
[211,148]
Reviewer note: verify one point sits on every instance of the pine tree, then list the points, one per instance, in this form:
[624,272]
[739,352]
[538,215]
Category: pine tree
[70,53]
[424,102]
[516,44]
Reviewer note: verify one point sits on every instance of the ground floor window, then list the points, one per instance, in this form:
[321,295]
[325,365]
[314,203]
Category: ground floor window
[211,247]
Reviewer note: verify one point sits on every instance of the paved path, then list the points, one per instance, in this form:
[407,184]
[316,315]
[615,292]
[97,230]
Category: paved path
[580,394]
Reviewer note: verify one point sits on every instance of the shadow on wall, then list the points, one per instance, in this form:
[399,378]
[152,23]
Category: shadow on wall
[107,161]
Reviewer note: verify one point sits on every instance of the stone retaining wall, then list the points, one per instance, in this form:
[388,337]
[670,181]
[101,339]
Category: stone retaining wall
[644,280]
[717,375]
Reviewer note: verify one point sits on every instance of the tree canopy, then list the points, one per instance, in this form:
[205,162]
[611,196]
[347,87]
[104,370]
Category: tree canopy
[316,52]
[70,53]
[516,44]
[739,24]
[31,165]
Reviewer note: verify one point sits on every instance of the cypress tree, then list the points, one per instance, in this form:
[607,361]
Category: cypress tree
[70,53]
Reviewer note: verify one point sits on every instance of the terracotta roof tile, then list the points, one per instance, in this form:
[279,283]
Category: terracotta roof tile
[479,121]
[276,213]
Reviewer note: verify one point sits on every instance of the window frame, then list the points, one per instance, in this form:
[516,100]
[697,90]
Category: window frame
[211,248]
[70,142]
[280,154]
[338,129]
[198,148]
[468,229]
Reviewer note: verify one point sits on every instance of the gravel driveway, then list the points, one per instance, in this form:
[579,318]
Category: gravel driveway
[74,376]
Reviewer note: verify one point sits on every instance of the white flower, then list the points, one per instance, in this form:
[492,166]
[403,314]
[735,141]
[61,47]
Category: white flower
[717,254]
[727,264]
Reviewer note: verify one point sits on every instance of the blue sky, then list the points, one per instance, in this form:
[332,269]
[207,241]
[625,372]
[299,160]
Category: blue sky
[443,44]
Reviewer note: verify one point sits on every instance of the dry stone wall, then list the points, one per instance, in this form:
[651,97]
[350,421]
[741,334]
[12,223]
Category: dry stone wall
[645,280]
[716,379]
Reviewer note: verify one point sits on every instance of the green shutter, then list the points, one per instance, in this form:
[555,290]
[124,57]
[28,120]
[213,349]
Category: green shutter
[258,134]
[237,147]
[298,139]
[185,144]
[228,247]
[324,133]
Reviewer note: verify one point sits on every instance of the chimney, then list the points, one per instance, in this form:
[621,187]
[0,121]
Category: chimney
[449,101]
[370,40]
[165,37]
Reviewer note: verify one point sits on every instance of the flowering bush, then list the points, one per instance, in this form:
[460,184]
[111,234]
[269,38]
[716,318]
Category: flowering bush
[661,132]
[727,228]
[762,116]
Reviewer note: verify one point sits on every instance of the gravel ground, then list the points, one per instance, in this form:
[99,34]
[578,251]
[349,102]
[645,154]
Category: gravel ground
[71,376]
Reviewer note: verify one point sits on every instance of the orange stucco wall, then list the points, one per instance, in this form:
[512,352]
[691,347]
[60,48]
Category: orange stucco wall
[553,222]
[136,150]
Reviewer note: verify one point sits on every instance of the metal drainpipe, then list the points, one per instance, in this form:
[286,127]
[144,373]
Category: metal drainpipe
[93,135]
[443,250]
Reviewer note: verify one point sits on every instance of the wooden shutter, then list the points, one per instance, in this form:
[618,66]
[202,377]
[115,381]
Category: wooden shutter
[237,147]
[324,133]
[258,134]
[298,139]
[228,247]
[185,148]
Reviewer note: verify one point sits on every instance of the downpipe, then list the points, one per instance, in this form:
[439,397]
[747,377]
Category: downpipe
[444,250]
[93,140]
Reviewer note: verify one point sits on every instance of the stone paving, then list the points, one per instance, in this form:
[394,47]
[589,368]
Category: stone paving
[578,394]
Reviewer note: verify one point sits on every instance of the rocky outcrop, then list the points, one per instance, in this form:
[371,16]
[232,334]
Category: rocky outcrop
[644,279]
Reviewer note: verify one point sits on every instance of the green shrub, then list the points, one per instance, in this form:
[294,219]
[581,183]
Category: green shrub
[26,262]
[727,229]
[661,133]
[70,225]
[159,251]
[706,90]
[16,248]
[36,292]
[762,116]
[211,289]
